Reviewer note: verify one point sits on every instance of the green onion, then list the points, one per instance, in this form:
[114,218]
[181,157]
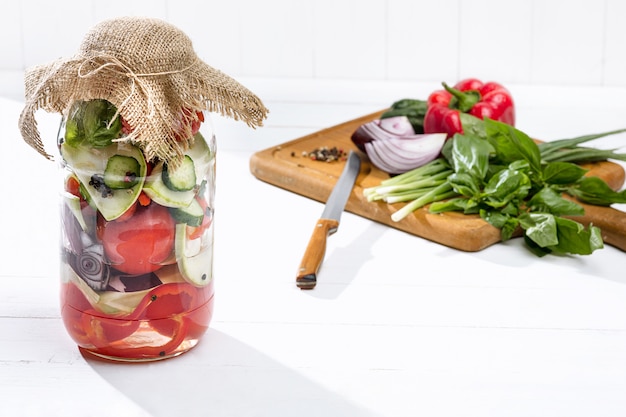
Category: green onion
[582,154]
[438,193]
[419,186]
[567,150]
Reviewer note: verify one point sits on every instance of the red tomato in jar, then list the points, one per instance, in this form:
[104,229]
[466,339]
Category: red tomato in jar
[139,244]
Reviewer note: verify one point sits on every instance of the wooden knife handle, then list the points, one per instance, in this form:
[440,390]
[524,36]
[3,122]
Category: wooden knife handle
[314,253]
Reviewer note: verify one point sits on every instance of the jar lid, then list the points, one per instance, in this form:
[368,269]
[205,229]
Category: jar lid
[148,69]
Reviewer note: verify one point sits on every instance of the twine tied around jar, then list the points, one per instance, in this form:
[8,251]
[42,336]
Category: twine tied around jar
[148,69]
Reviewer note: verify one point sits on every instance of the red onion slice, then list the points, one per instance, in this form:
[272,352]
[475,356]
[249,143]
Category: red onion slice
[393,146]
[402,154]
[382,130]
[399,125]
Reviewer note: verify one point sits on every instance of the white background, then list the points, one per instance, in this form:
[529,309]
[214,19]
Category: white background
[539,42]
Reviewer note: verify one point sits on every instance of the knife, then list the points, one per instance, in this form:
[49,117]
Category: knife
[327,224]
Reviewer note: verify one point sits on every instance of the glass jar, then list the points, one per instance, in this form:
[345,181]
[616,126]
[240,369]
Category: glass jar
[136,239]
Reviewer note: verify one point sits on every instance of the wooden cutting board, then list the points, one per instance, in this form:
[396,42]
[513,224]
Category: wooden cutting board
[287,166]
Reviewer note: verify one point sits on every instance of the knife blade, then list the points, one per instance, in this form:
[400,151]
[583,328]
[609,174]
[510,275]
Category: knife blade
[327,224]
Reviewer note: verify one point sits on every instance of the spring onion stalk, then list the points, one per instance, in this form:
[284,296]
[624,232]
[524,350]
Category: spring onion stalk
[582,154]
[438,193]
[424,172]
[411,184]
[567,150]
[408,195]
[414,185]
[433,167]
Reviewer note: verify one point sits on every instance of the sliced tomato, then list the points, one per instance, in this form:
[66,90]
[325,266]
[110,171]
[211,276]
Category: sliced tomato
[127,214]
[139,244]
[72,186]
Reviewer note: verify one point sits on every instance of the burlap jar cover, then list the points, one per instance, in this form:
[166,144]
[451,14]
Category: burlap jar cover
[148,69]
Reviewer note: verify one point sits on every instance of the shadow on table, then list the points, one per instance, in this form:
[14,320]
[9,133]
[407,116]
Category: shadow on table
[222,377]
[514,253]
[336,273]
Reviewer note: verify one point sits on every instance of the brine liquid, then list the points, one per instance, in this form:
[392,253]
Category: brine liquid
[135,337]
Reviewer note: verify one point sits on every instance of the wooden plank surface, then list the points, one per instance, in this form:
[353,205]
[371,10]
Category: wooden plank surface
[287,166]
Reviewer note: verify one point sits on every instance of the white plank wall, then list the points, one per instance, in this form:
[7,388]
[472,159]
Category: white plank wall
[538,42]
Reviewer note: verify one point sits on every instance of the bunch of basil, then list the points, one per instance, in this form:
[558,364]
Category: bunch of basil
[500,174]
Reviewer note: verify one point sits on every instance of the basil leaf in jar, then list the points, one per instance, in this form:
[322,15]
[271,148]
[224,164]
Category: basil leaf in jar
[92,123]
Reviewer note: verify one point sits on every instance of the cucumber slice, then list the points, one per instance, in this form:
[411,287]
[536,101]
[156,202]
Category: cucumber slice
[121,172]
[156,189]
[182,178]
[89,165]
[203,158]
[191,215]
[197,269]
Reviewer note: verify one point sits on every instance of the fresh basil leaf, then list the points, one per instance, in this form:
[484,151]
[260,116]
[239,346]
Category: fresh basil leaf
[594,190]
[507,224]
[540,228]
[446,150]
[562,173]
[535,248]
[509,228]
[73,135]
[100,127]
[506,186]
[575,239]
[550,201]
[470,154]
[74,132]
[494,169]
[472,206]
[464,184]
[472,125]
[520,165]
[511,209]
[494,218]
[512,144]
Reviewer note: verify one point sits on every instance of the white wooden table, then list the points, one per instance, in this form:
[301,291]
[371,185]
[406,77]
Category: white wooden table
[397,326]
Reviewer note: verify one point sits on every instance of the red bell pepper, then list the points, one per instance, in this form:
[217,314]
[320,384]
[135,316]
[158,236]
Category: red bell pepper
[483,100]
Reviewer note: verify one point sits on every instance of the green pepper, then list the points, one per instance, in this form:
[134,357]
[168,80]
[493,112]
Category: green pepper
[413,109]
